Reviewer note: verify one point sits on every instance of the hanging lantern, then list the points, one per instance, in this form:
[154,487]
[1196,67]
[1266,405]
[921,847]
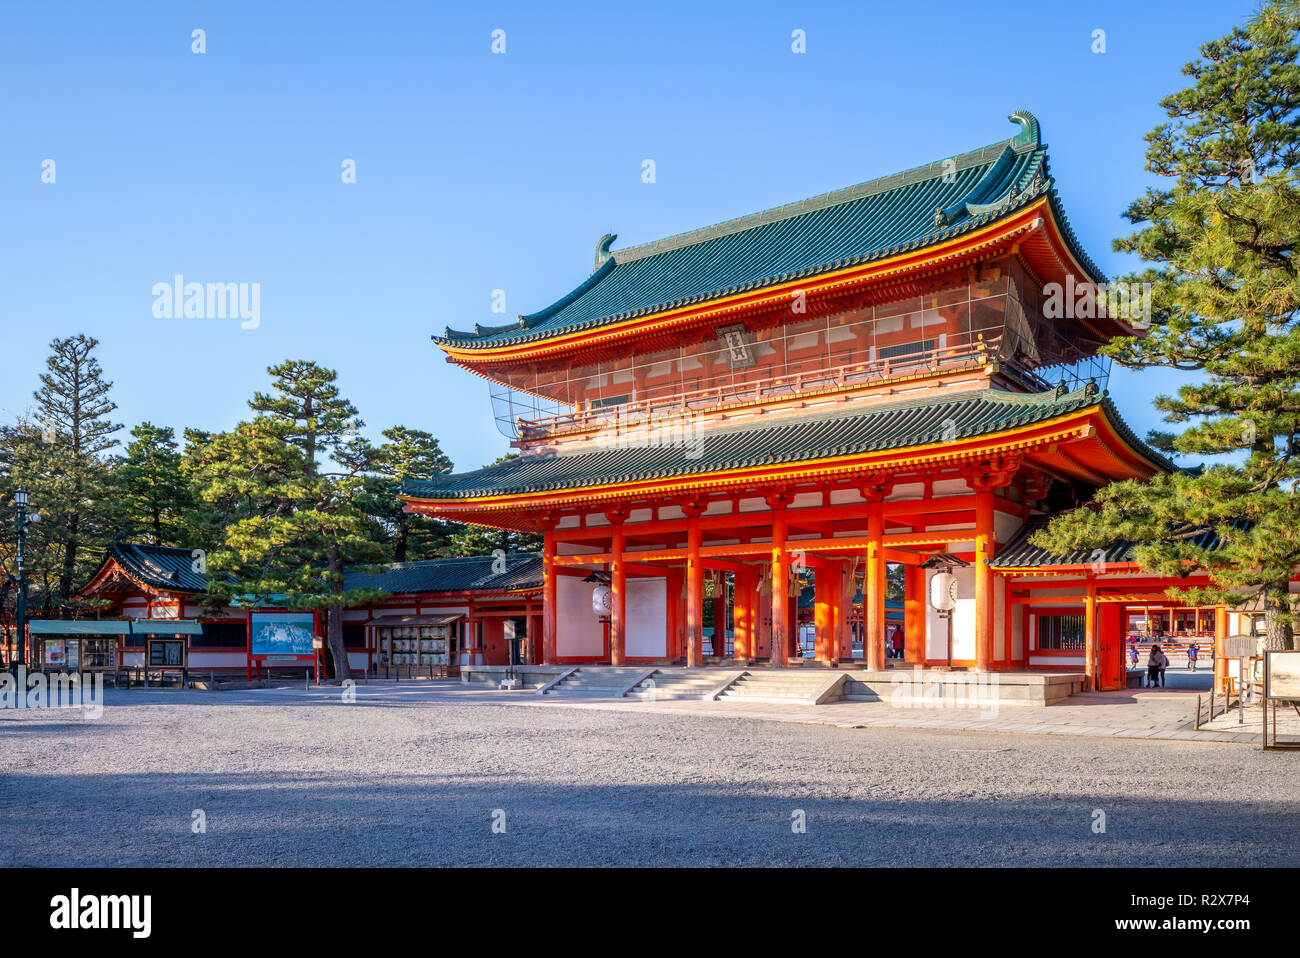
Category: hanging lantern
[602,600]
[943,591]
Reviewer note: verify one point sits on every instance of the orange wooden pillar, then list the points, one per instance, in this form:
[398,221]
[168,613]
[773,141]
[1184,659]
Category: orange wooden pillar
[694,591]
[780,589]
[471,631]
[873,599]
[534,640]
[743,613]
[1090,637]
[673,626]
[548,598]
[1006,623]
[844,620]
[825,583]
[914,614]
[983,581]
[618,588]
[719,622]
[835,574]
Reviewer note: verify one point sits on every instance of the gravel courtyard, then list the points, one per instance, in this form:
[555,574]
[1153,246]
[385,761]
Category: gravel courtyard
[418,775]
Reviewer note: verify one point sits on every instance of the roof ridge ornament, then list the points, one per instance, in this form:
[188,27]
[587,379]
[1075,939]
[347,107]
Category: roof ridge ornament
[1029,137]
[602,250]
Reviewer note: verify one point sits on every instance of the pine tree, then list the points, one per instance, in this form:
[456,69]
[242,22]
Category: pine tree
[1222,239]
[408,454]
[300,521]
[157,497]
[59,454]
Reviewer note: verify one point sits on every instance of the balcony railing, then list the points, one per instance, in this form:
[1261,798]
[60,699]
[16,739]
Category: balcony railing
[753,392]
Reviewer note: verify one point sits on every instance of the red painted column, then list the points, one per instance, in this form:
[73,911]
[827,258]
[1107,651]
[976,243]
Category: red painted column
[824,587]
[548,598]
[873,598]
[844,609]
[618,586]
[744,614]
[780,589]
[1006,623]
[673,596]
[1090,637]
[983,581]
[914,614]
[694,592]
[834,607]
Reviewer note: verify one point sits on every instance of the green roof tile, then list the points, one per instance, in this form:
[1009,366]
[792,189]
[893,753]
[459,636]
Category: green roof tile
[869,221]
[522,570]
[1020,553]
[172,569]
[894,425]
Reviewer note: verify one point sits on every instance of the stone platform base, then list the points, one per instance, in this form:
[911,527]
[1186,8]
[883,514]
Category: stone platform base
[897,685]
[933,685]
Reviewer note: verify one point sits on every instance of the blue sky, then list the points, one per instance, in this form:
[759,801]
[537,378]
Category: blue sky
[478,171]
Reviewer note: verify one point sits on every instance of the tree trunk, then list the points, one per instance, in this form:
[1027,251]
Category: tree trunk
[334,626]
[1278,633]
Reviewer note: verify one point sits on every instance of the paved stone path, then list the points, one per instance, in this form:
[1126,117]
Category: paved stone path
[422,773]
[1131,713]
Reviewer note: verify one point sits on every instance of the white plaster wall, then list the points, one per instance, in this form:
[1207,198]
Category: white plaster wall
[647,617]
[1005,526]
[963,622]
[577,631]
[1057,661]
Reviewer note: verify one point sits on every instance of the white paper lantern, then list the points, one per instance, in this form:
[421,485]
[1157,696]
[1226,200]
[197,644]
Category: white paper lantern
[602,600]
[943,591]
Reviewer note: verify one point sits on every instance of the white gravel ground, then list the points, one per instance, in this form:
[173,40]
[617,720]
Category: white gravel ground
[287,778]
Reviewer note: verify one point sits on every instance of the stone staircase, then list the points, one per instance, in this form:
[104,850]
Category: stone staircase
[668,684]
[603,682]
[794,686]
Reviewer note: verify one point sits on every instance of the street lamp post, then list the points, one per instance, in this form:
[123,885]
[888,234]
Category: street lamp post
[20,501]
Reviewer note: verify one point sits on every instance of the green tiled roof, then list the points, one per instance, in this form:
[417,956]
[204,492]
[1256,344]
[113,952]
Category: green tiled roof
[172,569]
[894,425]
[872,220]
[162,567]
[1020,553]
[465,574]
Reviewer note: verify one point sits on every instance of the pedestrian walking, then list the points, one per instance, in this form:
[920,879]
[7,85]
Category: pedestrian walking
[1156,663]
[897,642]
[1192,653]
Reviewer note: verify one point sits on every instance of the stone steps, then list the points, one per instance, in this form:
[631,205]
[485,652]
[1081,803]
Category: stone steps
[603,682]
[778,685]
[677,685]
